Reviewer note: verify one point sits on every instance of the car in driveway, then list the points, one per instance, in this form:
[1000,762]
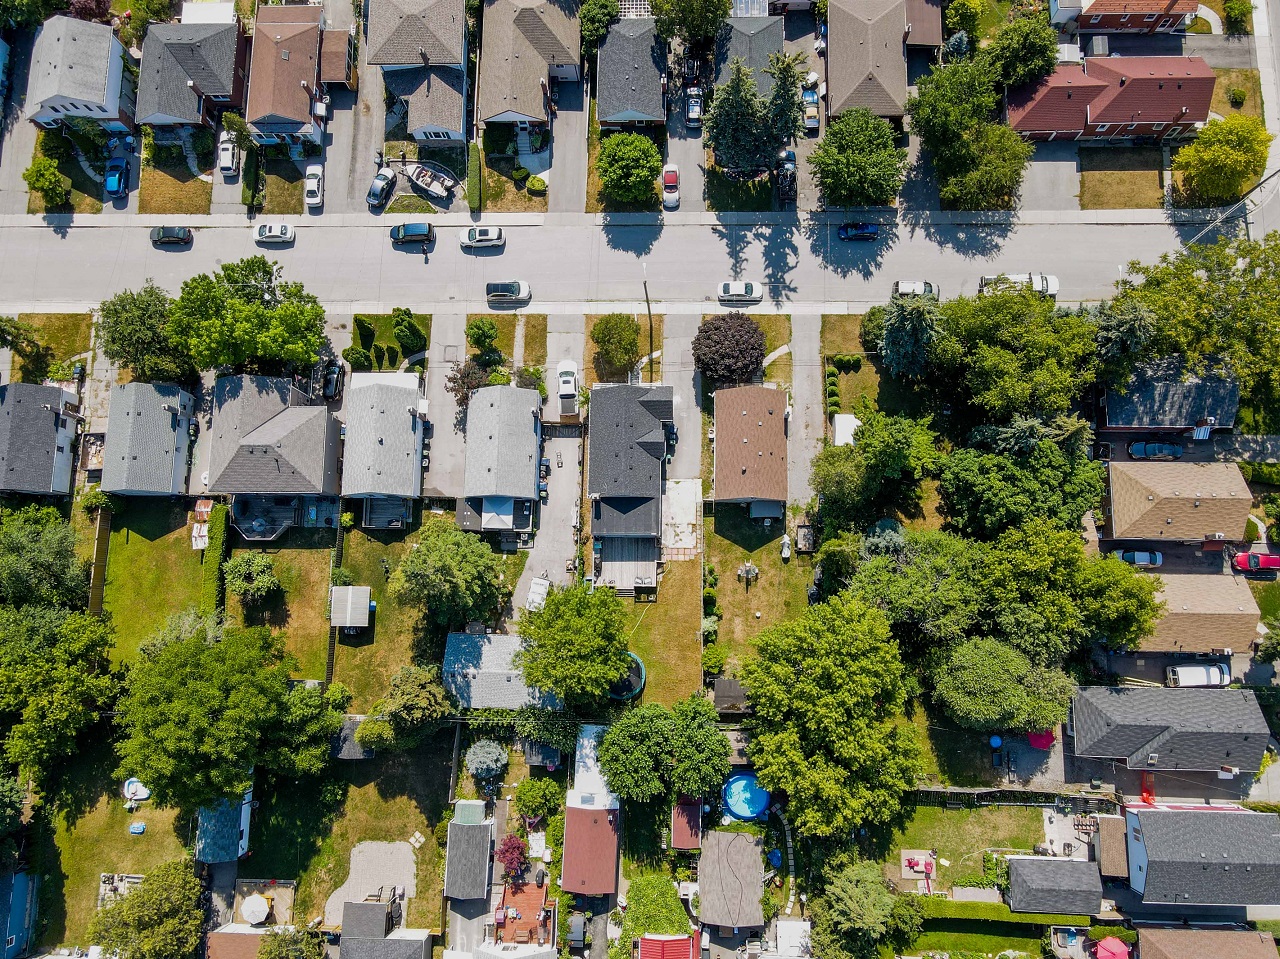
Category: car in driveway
[740,291]
[507,291]
[313,185]
[171,236]
[1043,283]
[809,99]
[851,232]
[670,186]
[334,375]
[1198,674]
[914,288]
[228,155]
[274,233]
[1143,559]
[116,180]
[567,387]
[1149,450]
[693,107]
[1255,562]
[380,190]
[481,236]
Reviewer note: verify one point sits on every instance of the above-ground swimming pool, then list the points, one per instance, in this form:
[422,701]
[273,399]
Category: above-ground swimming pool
[744,798]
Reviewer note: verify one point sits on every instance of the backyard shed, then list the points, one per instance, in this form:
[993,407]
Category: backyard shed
[349,606]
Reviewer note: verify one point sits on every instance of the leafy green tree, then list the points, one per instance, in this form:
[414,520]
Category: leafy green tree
[729,348]
[482,334]
[700,751]
[689,20]
[827,692]
[539,798]
[853,912]
[13,798]
[653,908]
[548,727]
[985,169]
[44,177]
[1025,50]
[312,717]
[964,15]
[27,13]
[910,327]
[236,125]
[415,705]
[1226,157]
[617,340]
[574,646]
[18,336]
[784,112]
[1124,330]
[132,330]
[251,576]
[464,379]
[594,16]
[635,751]
[453,574]
[161,918]
[988,686]
[39,565]
[736,126]
[284,943]
[951,100]
[407,332]
[858,162]
[629,164]
[246,314]
[486,759]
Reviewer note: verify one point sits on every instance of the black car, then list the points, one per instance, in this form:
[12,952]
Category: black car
[1155,451]
[413,233]
[858,231]
[333,377]
[171,236]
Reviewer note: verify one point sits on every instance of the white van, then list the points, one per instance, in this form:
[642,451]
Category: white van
[1041,283]
[1208,674]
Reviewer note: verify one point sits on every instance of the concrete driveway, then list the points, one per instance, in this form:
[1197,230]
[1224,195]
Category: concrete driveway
[1052,179]
[799,32]
[685,150]
[18,139]
[448,441]
[555,543]
[678,372]
[807,426]
[566,340]
[467,918]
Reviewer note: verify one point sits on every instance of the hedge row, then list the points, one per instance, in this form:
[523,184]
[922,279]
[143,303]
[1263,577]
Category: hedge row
[939,907]
[1268,473]
[211,595]
[475,179]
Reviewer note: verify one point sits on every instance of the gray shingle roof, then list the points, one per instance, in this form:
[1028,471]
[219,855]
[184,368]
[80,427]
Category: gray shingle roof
[1049,885]
[343,745]
[263,444]
[466,868]
[730,879]
[175,53]
[752,39]
[434,96]
[391,948]
[1163,395]
[382,455]
[28,437]
[1210,857]
[402,32]
[522,39]
[866,60]
[71,58]
[629,73]
[625,466]
[502,443]
[1194,729]
[479,671]
[218,832]
[364,920]
[144,440]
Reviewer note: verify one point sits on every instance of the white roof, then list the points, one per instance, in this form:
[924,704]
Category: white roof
[208,12]
[349,605]
[843,426]
[793,937]
[589,788]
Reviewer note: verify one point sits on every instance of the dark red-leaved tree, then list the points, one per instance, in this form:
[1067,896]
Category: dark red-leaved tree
[90,9]
[513,853]
[729,348]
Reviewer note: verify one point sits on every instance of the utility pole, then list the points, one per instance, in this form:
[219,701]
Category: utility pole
[649,309]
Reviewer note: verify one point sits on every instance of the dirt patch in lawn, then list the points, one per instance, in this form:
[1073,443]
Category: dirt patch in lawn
[667,635]
[503,195]
[169,187]
[1121,178]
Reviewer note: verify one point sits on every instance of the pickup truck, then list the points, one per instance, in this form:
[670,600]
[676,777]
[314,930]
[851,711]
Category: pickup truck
[567,378]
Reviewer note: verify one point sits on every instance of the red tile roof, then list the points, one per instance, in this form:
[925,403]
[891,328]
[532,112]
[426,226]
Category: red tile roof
[686,825]
[590,851]
[667,947]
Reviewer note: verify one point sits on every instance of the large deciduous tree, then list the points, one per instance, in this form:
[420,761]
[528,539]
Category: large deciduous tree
[574,646]
[161,918]
[986,169]
[689,20]
[595,17]
[651,751]
[415,705]
[1228,154]
[853,911]
[133,331]
[858,162]
[285,943]
[1025,50]
[39,565]
[988,686]
[729,348]
[617,340]
[452,574]
[827,692]
[629,164]
[736,125]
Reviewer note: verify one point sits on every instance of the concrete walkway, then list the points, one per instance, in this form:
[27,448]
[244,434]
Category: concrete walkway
[1210,17]
[807,426]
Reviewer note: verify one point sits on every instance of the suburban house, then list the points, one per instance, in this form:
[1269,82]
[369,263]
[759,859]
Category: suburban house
[631,75]
[592,824]
[750,39]
[1205,613]
[751,449]
[18,889]
[1122,16]
[1163,396]
[480,672]
[288,70]
[1176,502]
[686,825]
[222,831]
[655,946]
[1115,98]
[1158,729]
[466,868]
[371,930]
[37,438]
[630,436]
[382,455]
[527,44]
[193,70]
[421,46]
[1154,943]
[77,70]
[730,880]
[1205,856]
[867,52]
[148,439]
[504,449]
[1048,884]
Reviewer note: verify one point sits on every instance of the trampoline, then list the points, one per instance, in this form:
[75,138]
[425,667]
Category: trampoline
[744,798]
[631,685]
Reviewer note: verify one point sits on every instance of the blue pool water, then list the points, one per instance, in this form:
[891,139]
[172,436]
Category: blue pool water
[744,798]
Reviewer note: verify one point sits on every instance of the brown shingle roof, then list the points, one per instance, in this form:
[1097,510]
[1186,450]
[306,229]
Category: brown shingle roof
[1059,102]
[1205,944]
[924,20]
[590,851]
[286,53]
[686,824]
[751,444]
[866,61]
[1178,501]
[333,56]
[234,945]
[1204,612]
[1113,853]
[522,39]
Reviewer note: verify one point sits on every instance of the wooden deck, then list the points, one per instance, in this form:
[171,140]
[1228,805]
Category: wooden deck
[627,564]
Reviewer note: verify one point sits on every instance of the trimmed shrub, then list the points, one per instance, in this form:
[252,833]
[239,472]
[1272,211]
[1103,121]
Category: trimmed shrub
[833,409]
[713,659]
[357,358]
[1235,15]
[364,328]
[1128,936]
[856,364]
[211,594]
[536,185]
[379,353]
[1268,473]
[519,174]
[474,178]
[1236,97]
[939,907]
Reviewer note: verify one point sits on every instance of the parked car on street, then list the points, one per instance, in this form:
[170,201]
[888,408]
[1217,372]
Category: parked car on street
[567,387]
[1148,450]
[507,291]
[1042,283]
[228,155]
[479,236]
[1140,558]
[914,288]
[171,236]
[413,233]
[383,185]
[850,232]
[313,185]
[116,180]
[1255,562]
[740,291]
[693,107]
[1206,674]
[670,186]
[274,233]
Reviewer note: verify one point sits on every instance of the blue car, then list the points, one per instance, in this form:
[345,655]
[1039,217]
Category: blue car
[117,179]
[859,231]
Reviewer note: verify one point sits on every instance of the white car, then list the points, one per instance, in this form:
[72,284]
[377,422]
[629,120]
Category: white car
[313,185]
[670,186]
[1042,283]
[274,233]
[740,291]
[914,288]
[477,236]
[228,155]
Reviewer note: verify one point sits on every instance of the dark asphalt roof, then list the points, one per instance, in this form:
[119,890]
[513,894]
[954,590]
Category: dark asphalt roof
[466,869]
[175,54]
[628,441]
[28,437]
[752,39]
[1163,394]
[1050,885]
[364,920]
[344,745]
[629,73]
[218,833]
[397,948]
[1210,857]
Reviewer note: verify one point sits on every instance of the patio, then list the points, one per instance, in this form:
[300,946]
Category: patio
[524,917]
[262,518]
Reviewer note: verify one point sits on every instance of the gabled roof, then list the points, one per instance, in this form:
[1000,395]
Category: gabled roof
[924,23]
[466,868]
[591,839]
[751,444]
[1205,944]
[479,671]
[71,58]
[344,745]
[400,944]
[1210,857]
[522,39]
[1193,729]
[1177,501]
[285,65]
[866,59]
[144,438]
[230,942]
[632,61]
[1204,612]
[752,39]
[434,96]
[383,452]
[628,441]
[502,443]
[1042,884]
[730,880]
[1059,102]
[28,437]
[667,947]
[1163,395]
[405,32]
[182,62]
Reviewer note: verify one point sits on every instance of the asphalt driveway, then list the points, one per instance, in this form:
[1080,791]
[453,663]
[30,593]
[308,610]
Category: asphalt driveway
[1052,179]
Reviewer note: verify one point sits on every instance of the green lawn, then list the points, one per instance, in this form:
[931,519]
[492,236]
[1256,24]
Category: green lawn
[952,756]
[506,341]
[150,556]
[667,635]
[1268,597]
[728,195]
[597,200]
[961,836]
[384,335]
[535,339]
[410,203]
[994,16]
[984,938]
[169,187]
[1247,80]
[62,337]
[841,333]
[86,192]
[593,373]
[284,188]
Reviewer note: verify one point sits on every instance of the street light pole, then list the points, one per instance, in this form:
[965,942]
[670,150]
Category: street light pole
[649,309]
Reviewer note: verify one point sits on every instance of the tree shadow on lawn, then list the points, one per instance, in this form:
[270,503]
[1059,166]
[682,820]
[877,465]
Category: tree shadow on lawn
[272,612]
[642,831]
[151,521]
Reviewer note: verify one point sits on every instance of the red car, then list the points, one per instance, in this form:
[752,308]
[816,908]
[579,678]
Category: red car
[1253,562]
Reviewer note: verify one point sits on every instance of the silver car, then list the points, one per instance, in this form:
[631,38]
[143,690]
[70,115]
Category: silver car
[740,291]
[479,236]
[274,233]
